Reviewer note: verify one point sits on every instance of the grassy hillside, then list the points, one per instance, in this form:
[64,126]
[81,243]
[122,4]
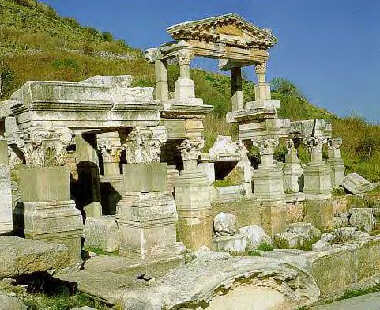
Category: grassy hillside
[37,44]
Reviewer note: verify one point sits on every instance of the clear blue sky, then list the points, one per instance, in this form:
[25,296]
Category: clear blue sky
[329,48]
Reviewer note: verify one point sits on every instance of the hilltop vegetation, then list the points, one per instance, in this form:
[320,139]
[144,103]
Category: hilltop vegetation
[37,44]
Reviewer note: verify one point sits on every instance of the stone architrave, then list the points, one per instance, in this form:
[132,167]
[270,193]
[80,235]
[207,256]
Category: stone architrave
[184,86]
[6,217]
[147,214]
[292,173]
[317,180]
[49,214]
[192,196]
[336,162]
[268,179]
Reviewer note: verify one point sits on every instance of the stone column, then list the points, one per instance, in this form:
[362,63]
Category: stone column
[336,162]
[262,88]
[268,179]
[49,214]
[317,180]
[6,217]
[111,183]
[292,174]
[237,98]
[192,195]
[88,175]
[184,86]
[161,69]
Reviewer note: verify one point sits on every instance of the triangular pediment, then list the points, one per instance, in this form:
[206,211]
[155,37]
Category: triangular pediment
[230,29]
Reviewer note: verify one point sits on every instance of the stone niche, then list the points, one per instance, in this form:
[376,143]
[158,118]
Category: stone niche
[49,214]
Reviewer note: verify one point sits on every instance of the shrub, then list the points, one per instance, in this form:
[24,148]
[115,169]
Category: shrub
[265,247]
[107,36]
[65,64]
[7,81]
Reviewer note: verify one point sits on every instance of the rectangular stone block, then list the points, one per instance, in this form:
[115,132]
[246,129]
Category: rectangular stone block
[44,184]
[102,233]
[3,153]
[150,177]
[6,221]
[319,213]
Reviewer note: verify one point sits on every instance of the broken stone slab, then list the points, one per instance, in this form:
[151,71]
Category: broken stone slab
[298,236]
[10,302]
[341,220]
[225,224]
[236,243]
[255,236]
[363,219]
[198,282]
[20,256]
[356,184]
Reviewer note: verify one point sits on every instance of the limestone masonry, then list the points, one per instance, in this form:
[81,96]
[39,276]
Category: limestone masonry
[101,165]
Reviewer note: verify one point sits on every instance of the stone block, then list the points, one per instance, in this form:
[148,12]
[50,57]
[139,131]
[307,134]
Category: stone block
[45,184]
[184,88]
[317,181]
[320,214]
[209,170]
[145,177]
[236,243]
[337,171]
[298,236]
[20,256]
[3,152]
[255,236]
[102,233]
[11,302]
[225,224]
[356,184]
[268,185]
[6,217]
[363,219]
[56,221]
[273,218]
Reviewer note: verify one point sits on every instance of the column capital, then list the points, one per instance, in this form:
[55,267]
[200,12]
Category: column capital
[261,68]
[45,147]
[110,146]
[184,57]
[334,143]
[143,144]
[266,146]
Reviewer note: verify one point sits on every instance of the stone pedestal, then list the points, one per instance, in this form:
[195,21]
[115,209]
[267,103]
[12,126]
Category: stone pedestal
[292,171]
[6,219]
[336,162]
[146,215]
[49,214]
[192,195]
[268,178]
[317,180]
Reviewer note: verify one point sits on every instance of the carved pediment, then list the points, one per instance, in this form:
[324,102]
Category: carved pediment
[230,29]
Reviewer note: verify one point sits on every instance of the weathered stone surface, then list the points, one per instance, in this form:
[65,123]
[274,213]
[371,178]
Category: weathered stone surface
[226,150]
[10,302]
[102,233]
[22,256]
[235,243]
[367,302]
[298,236]
[197,283]
[341,220]
[145,177]
[319,213]
[6,217]
[225,224]
[363,219]
[255,236]
[356,184]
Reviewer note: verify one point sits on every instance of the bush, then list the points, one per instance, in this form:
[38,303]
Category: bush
[27,3]
[265,247]
[65,63]
[7,81]
[107,36]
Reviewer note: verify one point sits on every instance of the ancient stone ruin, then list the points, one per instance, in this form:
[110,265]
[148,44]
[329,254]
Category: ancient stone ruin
[124,169]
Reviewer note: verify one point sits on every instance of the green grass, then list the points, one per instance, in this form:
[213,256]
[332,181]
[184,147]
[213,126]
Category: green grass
[360,292]
[265,247]
[98,251]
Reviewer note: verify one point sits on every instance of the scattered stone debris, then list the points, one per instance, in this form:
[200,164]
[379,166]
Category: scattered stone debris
[297,236]
[8,302]
[356,184]
[255,236]
[363,219]
[225,224]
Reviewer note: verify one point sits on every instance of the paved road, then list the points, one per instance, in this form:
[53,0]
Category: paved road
[365,302]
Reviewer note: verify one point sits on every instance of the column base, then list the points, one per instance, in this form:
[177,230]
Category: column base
[58,222]
[184,88]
